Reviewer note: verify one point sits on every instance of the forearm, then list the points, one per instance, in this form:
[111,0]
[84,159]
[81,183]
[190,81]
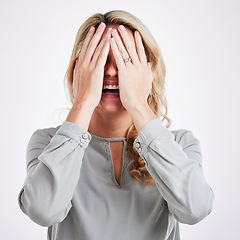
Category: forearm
[53,176]
[176,169]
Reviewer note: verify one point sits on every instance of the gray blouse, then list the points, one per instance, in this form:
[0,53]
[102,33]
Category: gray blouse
[71,188]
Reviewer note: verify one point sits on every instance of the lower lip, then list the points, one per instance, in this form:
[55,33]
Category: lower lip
[110,95]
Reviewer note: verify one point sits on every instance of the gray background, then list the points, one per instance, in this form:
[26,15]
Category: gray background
[200,45]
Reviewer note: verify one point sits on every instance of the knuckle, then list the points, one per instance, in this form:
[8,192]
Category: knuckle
[128,46]
[84,65]
[118,57]
[121,51]
[102,54]
[91,44]
[94,42]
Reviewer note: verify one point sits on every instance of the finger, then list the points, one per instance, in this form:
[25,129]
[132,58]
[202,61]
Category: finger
[139,47]
[120,45]
[86,43]
[100,47]
[94,42]
[102,58]
[150,74]
[128,43]
[117,56]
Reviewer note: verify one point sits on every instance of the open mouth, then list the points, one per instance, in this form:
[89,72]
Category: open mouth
[110,89]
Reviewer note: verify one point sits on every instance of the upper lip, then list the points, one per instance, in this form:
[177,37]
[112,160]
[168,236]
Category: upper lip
[110,82]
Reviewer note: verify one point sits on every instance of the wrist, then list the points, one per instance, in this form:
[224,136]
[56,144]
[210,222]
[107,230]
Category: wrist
[141,114]
[80,114]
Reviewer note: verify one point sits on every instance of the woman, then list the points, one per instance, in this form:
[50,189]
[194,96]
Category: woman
[112,170]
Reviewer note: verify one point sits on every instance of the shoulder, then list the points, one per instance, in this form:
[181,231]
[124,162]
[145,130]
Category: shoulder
[156,130]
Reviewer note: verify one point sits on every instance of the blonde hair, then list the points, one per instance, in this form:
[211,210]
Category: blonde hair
[156,99]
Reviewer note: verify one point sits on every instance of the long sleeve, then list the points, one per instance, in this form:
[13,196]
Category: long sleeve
[175,163]
[53,166]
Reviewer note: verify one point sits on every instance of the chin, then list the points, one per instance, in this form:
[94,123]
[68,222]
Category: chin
[111,106]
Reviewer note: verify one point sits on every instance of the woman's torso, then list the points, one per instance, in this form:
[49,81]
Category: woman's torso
[104,209]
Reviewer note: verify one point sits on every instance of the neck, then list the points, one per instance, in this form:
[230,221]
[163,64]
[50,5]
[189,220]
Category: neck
[109,125]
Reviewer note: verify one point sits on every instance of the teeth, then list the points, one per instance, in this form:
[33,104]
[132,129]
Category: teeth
[110,87]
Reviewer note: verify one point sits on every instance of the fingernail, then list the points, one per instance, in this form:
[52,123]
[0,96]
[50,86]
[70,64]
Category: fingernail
[102,25]
[114,32]
[91,29]
[122,28]
[137,33]
[109,30]
[108,34]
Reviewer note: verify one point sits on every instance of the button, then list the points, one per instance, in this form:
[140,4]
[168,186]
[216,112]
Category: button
[137,145]
[82,140]
[85,136]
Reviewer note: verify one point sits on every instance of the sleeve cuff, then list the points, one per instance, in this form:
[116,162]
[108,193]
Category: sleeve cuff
[152,130]
[75,132]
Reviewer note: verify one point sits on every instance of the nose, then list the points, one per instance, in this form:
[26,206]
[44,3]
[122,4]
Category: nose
[110,68]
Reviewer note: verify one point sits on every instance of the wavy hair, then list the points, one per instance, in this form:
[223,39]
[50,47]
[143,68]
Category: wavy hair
[156,99]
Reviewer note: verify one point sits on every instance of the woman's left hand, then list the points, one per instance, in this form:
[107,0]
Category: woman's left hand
[134,75]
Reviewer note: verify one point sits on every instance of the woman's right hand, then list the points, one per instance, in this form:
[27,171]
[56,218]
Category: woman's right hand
[89,68]
[88,76]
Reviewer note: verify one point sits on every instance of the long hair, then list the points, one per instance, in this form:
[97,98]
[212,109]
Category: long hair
[156,99]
